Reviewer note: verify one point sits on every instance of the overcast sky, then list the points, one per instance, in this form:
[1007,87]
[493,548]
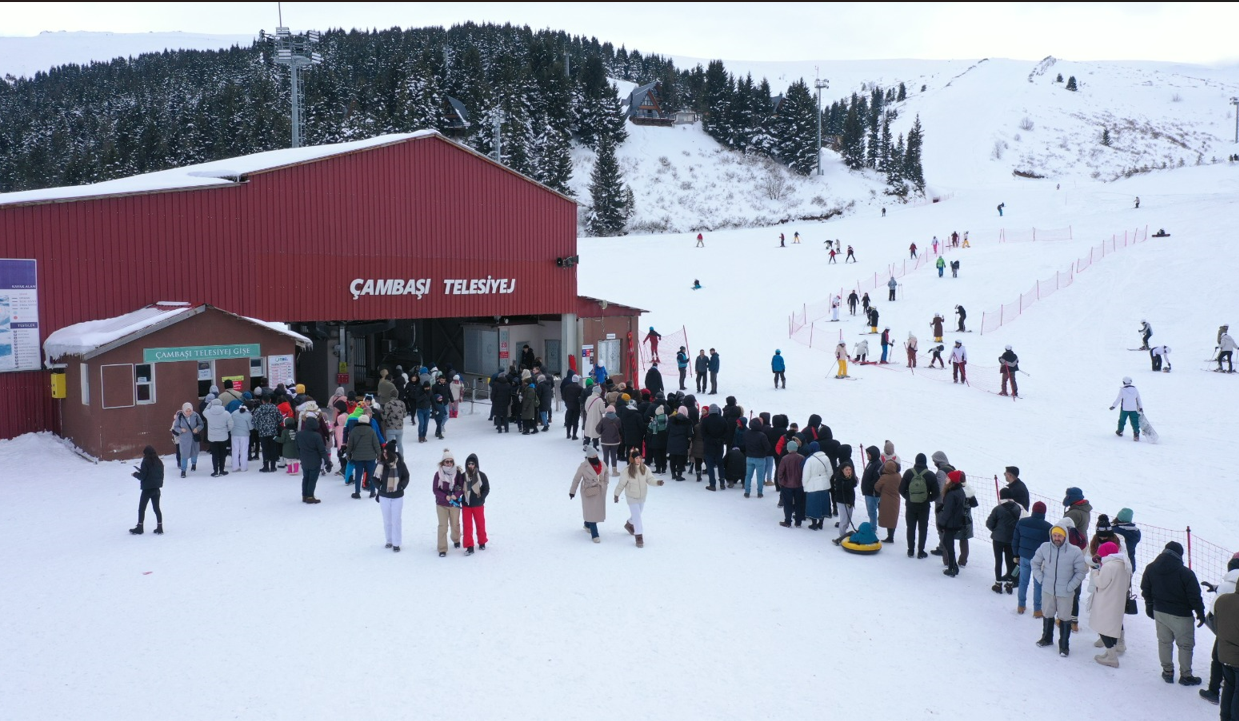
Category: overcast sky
[1184,32]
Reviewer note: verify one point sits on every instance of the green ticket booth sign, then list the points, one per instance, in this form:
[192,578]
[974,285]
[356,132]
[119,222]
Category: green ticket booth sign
[200,353]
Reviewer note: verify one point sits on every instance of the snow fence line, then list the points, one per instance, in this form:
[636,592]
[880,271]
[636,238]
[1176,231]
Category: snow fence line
[667,348]
[1207,559]
[800,324]
[993,319]
[1033,235]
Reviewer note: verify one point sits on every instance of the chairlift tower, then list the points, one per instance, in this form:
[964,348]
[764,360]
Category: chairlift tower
[820,83]
[298,53]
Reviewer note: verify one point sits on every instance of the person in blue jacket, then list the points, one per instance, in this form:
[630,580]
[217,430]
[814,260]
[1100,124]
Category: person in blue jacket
[777,365]
[1030,533]
[681,362]
[713,372]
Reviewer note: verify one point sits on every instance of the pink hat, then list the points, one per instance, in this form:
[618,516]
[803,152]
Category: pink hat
[1107,548]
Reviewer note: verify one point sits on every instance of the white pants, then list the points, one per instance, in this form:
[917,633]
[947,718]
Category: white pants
[634,516]
[241,453]
[845,519]
[834,313]
[392,508]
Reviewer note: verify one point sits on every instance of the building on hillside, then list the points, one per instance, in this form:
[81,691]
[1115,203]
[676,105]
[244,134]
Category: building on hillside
[456,118]
[124,378]
[645,106]
[686,117]
[402,249]
[775,103]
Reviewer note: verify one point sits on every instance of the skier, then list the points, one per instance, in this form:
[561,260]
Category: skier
[1009,363]
[884,212]
[851,256]
[937,324]
[1131,408]
[912,250]
[834,309]
[1000,207]
[966,245]
[861,351]
[150,481]
[936,356]
[1059,568]
[864,302]
[1137,202]
[886,346]
[873,319]
[781,244]
[778,367]
[830,244]
[892,285]
[701,241]
[832,256]
[955,239]
[940,265]
[796,238]
[935,245]
[681,362]
[910,346]
[959,363]
[1146,332]
[1159,354]
[963,315]
[954,268]
[853,299]
[841,357]
[652,338]
[1226,349]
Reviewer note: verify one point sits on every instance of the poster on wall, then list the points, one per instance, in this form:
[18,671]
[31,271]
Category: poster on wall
[280,369]
[20,348]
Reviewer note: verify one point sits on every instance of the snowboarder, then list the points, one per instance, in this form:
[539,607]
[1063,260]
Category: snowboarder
[873,319]
[681,363]
[592,479]
[1159,354]
[940,264]
[864,302]
[861,351]
[634,484]
[886,346]
[834,309]
[150,481]
[912,251]
[1146,332]
[701,241]
[652,338]
[963,315]
[1009,364]
[892,285]
[1131,408]
[796,238]
[959,363]
[1059,568]
[841,358]
[936,356]
[1000,207]
[851,256]
[1137,202]
[910,346]
[832,256]
[1226,349]
[778,367]
[853,299]
[696,284]
[937,324]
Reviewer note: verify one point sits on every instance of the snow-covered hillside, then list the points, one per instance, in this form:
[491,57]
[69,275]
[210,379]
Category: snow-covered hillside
[25,56]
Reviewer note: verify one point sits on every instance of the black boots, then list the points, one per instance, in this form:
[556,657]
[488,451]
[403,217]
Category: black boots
[136,530]
[159,530]
[1047,632]
[1064,639]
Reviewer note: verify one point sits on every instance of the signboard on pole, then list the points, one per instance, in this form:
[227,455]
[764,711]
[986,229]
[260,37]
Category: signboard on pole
[20,347]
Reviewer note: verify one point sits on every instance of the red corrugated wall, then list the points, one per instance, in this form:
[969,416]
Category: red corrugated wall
[287,244]
[28,398]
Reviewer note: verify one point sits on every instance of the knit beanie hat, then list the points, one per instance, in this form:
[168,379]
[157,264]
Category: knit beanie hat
[792,446]
[955,476]
[1058,531]
[888,448]
[1039,507]
[1103,524]
[364,419]
[447,456]
[1175,547]
[1107,548]
[1124,516]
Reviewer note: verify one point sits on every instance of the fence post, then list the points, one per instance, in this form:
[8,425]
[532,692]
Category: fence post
[1189,546]
[1069,235]
[811,334]
[997,493]
[1000,314]
[1038,290]
[1034,235]
[982,323]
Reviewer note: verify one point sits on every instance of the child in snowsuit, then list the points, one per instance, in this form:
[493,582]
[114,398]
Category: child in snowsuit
[937,356]
[861,352]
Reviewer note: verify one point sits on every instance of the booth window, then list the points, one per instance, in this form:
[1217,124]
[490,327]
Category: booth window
[144,383]
[206,376]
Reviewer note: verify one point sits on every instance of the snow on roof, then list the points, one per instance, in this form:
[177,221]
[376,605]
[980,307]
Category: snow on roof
[217,173]
[93,336]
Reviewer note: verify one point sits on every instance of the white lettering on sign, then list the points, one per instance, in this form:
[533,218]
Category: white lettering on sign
[390,286]
[478,286]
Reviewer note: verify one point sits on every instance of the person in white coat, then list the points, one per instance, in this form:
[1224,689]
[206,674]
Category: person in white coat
[593,409]
[1226,350]
[1110,581]
[634,484]
[1159,355]
[457,389]
[1130,408]
[219,426]
[861,351]
[242,424]
[834,308]
[959,363]
[816,482]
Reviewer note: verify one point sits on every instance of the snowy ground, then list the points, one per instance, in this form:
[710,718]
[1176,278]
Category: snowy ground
[256,606]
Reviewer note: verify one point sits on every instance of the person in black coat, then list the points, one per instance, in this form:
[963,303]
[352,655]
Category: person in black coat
[1171,595]
[679,435]
[527,358]
[757,447]
[312,453]
[731,412]
[951,518]
[714,432]
[391,477]
[570,392]
[546,401]
[150,480]
[843,491]
[632,428]
[868,479]
[654,379]
[500,400]
[916,514]
[1019,491]
[701,366]
[1001,523]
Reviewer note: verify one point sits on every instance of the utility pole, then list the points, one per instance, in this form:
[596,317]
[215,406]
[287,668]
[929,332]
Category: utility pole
[820,83]
[297,52]
[1235,102]
[499,136]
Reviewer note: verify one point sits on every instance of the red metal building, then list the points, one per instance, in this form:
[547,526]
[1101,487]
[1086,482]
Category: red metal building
[399,227]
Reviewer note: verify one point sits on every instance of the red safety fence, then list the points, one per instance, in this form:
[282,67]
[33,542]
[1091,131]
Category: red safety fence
[1033,235]
[992,320]
[667,348]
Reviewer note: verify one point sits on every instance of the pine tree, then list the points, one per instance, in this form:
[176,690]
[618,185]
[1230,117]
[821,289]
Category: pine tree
[912,169]
[873,147]
[1105,137]
[1071,83]
[797,129]
[884,146]
[719,96]
[853,142]
[1059,79]
[611,200]
[903,93]
[895,185]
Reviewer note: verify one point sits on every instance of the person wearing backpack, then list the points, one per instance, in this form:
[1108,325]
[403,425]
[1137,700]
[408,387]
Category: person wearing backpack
[1026,538]
[656,440]
[1001,523]
[919,487]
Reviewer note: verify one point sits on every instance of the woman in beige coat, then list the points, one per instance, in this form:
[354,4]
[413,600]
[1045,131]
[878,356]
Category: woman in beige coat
[1110,581]
[887,488]
[592,481]
[634,483]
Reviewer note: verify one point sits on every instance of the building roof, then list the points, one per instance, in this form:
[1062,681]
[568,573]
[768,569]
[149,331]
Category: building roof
[231,171]
[637,97]
[95,337]
[459,108]
[588,307]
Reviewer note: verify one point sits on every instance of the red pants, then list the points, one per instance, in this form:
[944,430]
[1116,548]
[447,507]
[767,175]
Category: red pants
[471,515]
[959,371]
